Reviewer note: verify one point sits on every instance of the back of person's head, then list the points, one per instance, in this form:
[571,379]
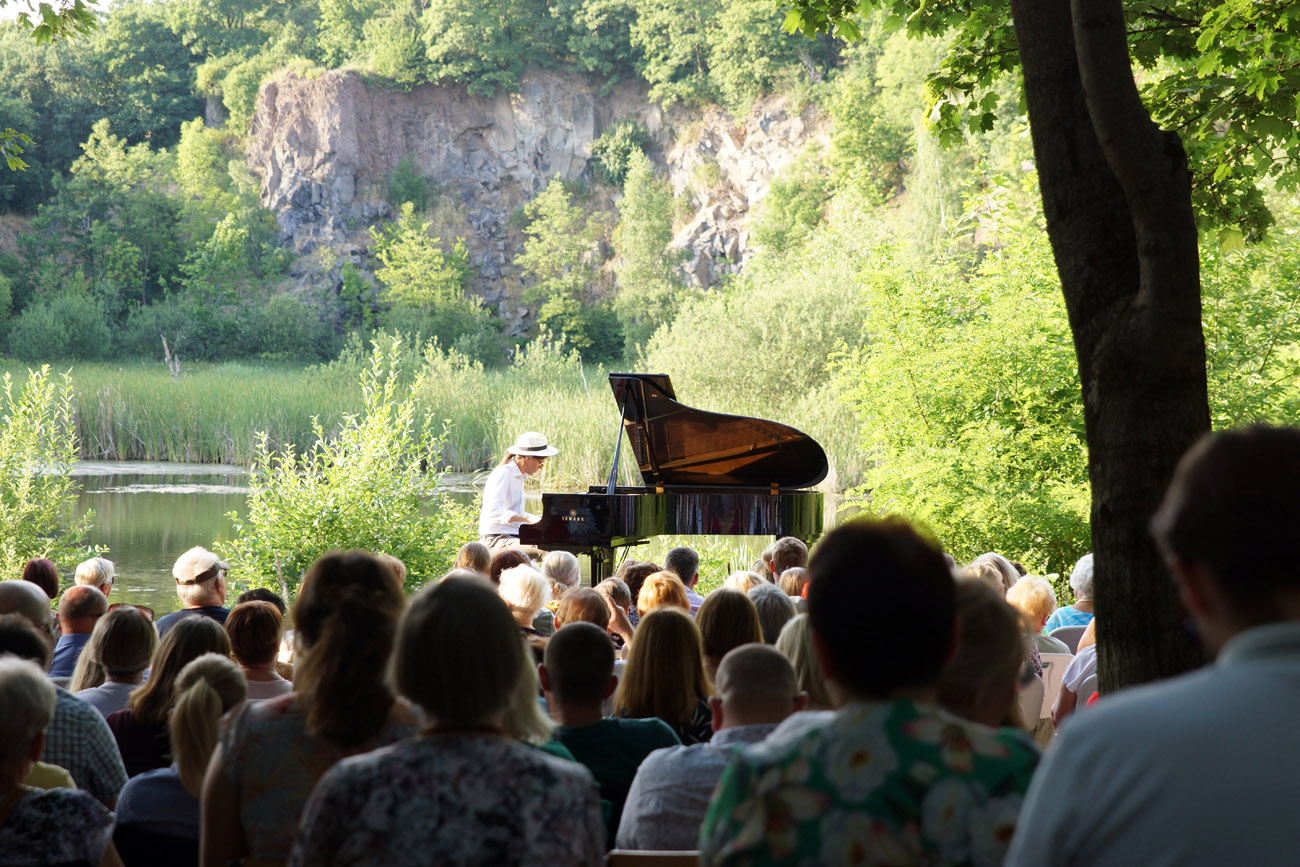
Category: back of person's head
[616,589]
[44,574]
[579,664]
[458,653]
[1033,597]
[727,619]
[255,629]
[262,594]
[793,580]
[119,649]
[636,574]
[660,589]
[583,605]
[745,581]
[774,610]
[506,558]
[1081,578]
[760,566]
[881,603]
[525,591]
[788,553]
[562,568]
[206,688]
[96,572]
[524,719]
[1007,573]
[396,566]
[27,599]
[979,682]
[27,697]
[199,573]
[683,562]
[474,556]
[664,675]
[187,640]
[755,680]
[82,605]
[24,639]
[346,616]
[796,643]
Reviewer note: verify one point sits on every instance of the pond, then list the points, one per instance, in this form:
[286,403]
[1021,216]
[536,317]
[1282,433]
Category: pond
[148,513]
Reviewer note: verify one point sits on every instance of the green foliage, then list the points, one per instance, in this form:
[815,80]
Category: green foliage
[38,447]
[365,488]
[749,54]
[486,45]
[649,288]
[613,149]
[407,184]
[69,326]
[794,204]
[672,37]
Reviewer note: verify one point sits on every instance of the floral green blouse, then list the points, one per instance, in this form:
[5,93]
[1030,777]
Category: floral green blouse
[874,783]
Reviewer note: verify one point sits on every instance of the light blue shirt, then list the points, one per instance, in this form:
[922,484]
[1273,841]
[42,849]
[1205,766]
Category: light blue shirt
[1195,770]
[66,653]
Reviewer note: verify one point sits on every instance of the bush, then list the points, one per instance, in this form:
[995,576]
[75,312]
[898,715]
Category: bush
[407,184]
[372,486]
[613,150]
[71,326]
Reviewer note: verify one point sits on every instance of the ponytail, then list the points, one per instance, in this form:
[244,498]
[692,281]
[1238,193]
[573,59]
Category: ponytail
[205,689]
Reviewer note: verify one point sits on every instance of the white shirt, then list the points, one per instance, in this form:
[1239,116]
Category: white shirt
[1082,667]
[503,499]
[1195,770]
[670,793]
[109,697]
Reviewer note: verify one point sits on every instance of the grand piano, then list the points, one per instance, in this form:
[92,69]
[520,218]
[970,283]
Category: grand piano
[705,473]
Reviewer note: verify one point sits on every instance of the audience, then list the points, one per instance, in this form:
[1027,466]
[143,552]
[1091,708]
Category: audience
[979,682]
[79,609]
[793,581]
[796,642]
[460,793]
[786,553]
[997,570]
[1035,599]
[665,676]
[474,556]
[685,564]
[283,659]
[44,574]
[660,589]
[78,739]
[774,609]
[1081,612]
[255,629]
[158,812]
[744,581]
[141,727]
[620,609]
[879,778]
[114,661]
[726,620]
[524,591]
[201,585]
[58,826]
[582,606]
[577,677]
[756,690]
[506,558]
[634,574]
[1195,770]
[1081,667]
[563,571]
[271,753]
[96,572]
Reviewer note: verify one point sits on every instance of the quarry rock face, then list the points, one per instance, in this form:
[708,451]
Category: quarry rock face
[325,148]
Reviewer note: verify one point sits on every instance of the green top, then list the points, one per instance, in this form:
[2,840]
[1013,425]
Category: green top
[612,750]
[881,782]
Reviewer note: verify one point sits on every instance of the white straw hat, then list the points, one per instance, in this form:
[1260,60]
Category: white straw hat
[532,445]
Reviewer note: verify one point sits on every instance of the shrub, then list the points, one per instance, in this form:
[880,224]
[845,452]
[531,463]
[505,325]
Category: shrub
[613,150]
[68,326]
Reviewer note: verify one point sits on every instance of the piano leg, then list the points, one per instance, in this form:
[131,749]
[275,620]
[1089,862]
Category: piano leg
[602,564]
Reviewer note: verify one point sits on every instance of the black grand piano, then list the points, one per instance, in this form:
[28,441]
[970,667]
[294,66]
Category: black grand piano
[704,472]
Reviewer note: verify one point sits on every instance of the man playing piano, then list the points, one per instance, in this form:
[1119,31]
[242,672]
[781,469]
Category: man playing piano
[503,495]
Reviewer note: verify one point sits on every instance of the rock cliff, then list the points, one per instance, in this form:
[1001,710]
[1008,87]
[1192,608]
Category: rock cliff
[324,149]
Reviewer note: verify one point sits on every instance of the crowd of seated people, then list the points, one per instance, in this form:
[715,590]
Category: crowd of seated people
[506,714]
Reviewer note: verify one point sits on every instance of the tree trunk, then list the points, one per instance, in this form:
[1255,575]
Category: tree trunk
[1117,200]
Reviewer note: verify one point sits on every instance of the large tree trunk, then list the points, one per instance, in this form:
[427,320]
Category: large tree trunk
[1117,200]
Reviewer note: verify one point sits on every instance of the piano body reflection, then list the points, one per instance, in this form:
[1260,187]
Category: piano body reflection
[705,473]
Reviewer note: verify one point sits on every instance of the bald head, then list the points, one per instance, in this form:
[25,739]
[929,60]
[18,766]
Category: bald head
[79,608]
[27,599]
[756,684]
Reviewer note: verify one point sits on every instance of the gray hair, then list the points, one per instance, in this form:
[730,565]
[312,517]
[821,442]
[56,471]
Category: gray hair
[1009,574]
[27,696]
[95,572]
[1081,577]
[525,590]
[204,592]
[562,567]
[774,609]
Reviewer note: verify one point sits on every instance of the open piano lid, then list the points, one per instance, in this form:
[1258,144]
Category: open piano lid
[678,446]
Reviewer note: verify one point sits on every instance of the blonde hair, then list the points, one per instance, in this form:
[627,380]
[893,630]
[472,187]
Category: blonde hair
[660,589]
[664,676]
[1034,597]
[990,649]
[524,718]
[562,567]
[95,572]
[119,648]
[524,590]
[474,556]
[795,641]
[617,590]
[205,689]
[744,581]
[397,566]
[187,640]
[793,580]
[1007,575]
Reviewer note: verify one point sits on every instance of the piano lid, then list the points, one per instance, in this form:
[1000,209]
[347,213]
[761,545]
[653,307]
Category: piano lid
[676,445]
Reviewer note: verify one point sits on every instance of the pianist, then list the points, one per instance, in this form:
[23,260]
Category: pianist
[503,495]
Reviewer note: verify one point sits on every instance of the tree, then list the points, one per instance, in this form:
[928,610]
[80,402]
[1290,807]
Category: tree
[673,39]
[1117,201]
[649,289]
